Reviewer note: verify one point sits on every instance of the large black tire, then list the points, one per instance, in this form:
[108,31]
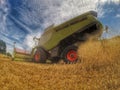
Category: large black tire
[40,56]
[69,54]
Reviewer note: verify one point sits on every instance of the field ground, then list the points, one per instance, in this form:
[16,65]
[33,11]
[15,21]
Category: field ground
[97,69]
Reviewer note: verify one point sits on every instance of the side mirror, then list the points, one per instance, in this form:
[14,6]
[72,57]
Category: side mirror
[35,38]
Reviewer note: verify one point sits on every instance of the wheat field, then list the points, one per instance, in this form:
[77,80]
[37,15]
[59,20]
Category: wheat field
[97,69]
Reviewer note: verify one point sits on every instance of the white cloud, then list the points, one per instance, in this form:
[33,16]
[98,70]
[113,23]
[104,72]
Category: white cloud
[57,11]
[3,14]
[109,1]
[67,9]
[116,1]
[118,15]
[46,12]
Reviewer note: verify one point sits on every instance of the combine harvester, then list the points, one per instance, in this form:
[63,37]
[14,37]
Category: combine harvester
[62,41]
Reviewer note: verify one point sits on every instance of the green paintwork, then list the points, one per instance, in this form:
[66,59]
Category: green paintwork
[53,35]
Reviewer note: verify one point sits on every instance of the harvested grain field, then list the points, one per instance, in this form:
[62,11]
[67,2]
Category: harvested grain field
[97,69]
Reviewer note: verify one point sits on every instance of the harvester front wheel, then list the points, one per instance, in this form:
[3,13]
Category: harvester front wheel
[40,56]
[69,54]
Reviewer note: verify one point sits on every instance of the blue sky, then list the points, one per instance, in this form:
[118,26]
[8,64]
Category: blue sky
[21,20]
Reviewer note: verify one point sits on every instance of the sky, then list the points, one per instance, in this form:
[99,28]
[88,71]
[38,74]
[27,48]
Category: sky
[21,20]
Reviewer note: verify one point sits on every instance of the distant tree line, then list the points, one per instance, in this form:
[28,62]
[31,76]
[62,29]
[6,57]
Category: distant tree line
[2,47]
